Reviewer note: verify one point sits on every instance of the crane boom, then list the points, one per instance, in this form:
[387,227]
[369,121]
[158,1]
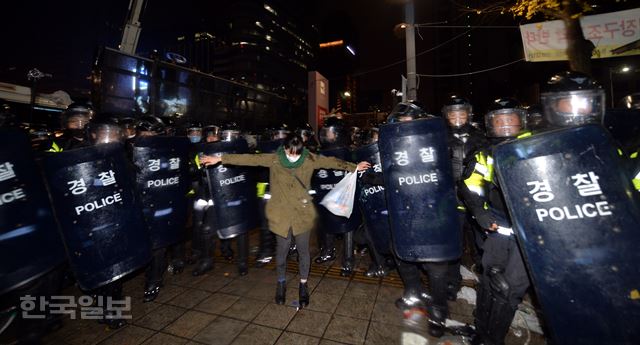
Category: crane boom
[132,28]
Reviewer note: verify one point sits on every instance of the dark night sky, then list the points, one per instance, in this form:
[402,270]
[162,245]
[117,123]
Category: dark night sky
[60,37]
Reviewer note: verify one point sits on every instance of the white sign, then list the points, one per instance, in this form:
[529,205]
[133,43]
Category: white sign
[547,41]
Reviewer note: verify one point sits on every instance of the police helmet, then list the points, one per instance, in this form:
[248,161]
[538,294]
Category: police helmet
[457,111]
[370,134]
[193,130]
[104,129]
[305,131]
[406,111]
[149,125]
[280,132]
[77,115]
[572,98]
[128,126]
[230,131]
[332,131]
[211,133]
[535,117]
[505,119]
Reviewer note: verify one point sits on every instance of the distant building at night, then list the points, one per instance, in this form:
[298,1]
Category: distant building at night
[198,49]
[268,45]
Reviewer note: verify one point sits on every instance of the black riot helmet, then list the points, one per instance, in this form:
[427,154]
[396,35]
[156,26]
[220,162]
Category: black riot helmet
[211,133]
[230,131]
[406,111]
[169,125]
[370,135]
[505,118]
[149,125]
[305,132]
[572,98]
[535,117]
[128,126]
[457,111]
[104,129]
[332,132]
[76,118]
[193,130]
[280,132]
[355,135]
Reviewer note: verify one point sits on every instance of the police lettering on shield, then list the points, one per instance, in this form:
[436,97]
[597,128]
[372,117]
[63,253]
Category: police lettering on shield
[586,185]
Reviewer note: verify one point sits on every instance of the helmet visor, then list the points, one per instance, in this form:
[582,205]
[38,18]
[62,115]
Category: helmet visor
[574,108]
[505,123]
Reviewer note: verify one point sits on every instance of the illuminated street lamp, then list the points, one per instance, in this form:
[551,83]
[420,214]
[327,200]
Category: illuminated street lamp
[612,71]
[346,94]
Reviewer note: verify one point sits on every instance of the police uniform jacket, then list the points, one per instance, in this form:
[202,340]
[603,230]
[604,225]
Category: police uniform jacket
[290,205]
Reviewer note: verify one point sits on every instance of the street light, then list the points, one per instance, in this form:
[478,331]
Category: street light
[623,69]
[346,94]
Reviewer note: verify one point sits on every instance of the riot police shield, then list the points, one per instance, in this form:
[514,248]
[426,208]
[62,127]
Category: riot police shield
[233,191]
[94,198]
[420,193]
[30,244]
[323,181]
[163,182]
[372,200]
[575,215]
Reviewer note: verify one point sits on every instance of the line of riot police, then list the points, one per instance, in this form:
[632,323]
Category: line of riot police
[434,181]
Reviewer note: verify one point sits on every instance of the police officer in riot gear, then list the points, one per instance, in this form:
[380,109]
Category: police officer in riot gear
[128,126]
[414,294]
[75,119]
[202,237]
[308,137]
[572,99]
[229,133]
[333,138]
[463,140]
[194,132]
[104,129]
[211,133]
[504,280]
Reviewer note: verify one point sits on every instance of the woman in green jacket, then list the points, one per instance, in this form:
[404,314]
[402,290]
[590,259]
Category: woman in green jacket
[290,211]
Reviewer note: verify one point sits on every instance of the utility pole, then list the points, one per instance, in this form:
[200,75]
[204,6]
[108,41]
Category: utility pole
[410,41]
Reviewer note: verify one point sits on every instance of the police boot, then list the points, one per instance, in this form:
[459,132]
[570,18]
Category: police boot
[225,249]
[112,321]
[281,292]
[413,299]
[437,317]
[205,263]
[372,271]
[347,269]
[303,295]
[176,267]
[325,255]
[151,291]
[154,273]
[243,254]
[348,260]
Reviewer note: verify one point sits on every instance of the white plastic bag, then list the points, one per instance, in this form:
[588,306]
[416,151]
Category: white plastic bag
[339,200]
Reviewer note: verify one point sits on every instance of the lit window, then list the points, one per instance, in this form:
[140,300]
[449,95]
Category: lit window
[268,37]
[268,8]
